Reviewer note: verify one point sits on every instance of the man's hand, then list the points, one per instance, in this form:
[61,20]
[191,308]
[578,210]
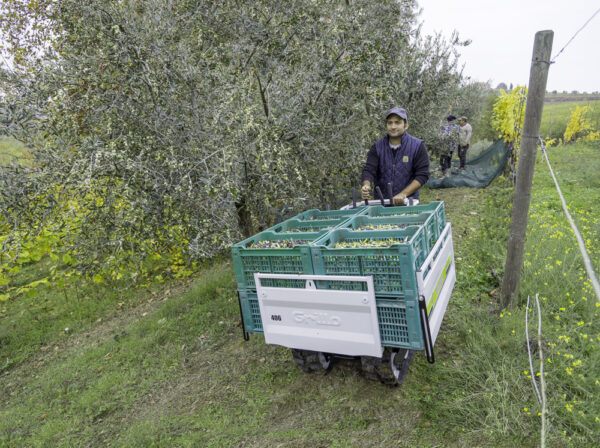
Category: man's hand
[399,199]
[365,192]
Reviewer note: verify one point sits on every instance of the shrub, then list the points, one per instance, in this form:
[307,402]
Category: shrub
[580,128]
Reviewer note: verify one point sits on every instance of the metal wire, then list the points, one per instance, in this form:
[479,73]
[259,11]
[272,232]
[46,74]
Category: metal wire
[571,40]
[542,381]
[537,391]
[586,259]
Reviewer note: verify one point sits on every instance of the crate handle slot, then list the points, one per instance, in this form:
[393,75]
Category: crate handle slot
[310,285]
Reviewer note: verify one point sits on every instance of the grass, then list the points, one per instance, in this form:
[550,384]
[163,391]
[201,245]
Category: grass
[555,116]
[34,323]
[553,269]
[11,150]
[167,366]
[565,96]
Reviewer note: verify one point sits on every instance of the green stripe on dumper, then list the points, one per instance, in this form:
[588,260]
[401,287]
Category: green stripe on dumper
[439,285]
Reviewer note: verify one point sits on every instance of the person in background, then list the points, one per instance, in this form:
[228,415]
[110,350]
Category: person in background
[399,159]
[449,140]
[464,139]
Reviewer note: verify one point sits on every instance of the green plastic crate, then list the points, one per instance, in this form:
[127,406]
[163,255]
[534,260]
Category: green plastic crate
[295,225]
[435,207]
[393,268]
[250,312]
[296,260]
[399,323]
[315,214]
[425,219]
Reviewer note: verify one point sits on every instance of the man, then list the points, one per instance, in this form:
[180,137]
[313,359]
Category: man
[449,140]
[464,139]
[399,159]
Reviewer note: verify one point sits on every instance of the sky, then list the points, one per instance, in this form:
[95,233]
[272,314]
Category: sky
[502,34]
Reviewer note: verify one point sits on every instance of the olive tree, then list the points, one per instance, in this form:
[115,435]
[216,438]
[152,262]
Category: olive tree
[189,123]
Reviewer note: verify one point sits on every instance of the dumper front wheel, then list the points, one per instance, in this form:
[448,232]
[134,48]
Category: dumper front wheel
[390,369]
[312,362]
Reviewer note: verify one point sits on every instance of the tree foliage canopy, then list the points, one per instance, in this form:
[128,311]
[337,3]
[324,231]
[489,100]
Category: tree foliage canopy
[187,123]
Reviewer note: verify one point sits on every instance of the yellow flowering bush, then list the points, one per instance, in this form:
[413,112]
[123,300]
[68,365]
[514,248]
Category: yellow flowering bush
[507,118]
[509,114]
[580,128]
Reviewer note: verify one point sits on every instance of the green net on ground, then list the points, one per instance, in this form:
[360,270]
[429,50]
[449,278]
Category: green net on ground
[479,171]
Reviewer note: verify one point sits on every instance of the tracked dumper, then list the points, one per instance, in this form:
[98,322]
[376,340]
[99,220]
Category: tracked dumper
[370,281]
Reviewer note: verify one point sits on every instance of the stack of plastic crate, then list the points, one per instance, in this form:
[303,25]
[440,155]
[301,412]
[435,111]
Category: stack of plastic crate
[340,243]
[253,255]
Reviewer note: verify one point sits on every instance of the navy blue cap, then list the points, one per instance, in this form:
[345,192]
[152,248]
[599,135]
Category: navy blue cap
[397,111]
[450,118]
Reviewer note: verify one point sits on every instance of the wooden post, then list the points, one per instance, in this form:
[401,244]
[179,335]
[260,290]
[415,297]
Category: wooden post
[538,76]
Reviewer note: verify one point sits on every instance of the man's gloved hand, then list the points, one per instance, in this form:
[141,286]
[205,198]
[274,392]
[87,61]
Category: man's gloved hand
[399,199]
[365,192]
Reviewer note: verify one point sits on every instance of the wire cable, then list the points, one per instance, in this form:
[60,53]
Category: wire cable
[537,391]
[586,259]
[542,381]
[571,40]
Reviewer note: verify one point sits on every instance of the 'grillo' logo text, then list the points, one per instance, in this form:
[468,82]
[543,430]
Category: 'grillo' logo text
[317,318]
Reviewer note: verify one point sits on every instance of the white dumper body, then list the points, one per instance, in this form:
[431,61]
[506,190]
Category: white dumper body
[321,317]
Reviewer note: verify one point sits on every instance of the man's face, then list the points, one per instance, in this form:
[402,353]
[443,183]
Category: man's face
[395,126]
[462,122]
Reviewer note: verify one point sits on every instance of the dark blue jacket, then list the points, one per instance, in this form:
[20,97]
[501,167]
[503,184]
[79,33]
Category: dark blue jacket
[400,167]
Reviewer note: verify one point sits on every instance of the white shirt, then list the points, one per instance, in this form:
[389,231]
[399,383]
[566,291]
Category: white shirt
[464,134]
